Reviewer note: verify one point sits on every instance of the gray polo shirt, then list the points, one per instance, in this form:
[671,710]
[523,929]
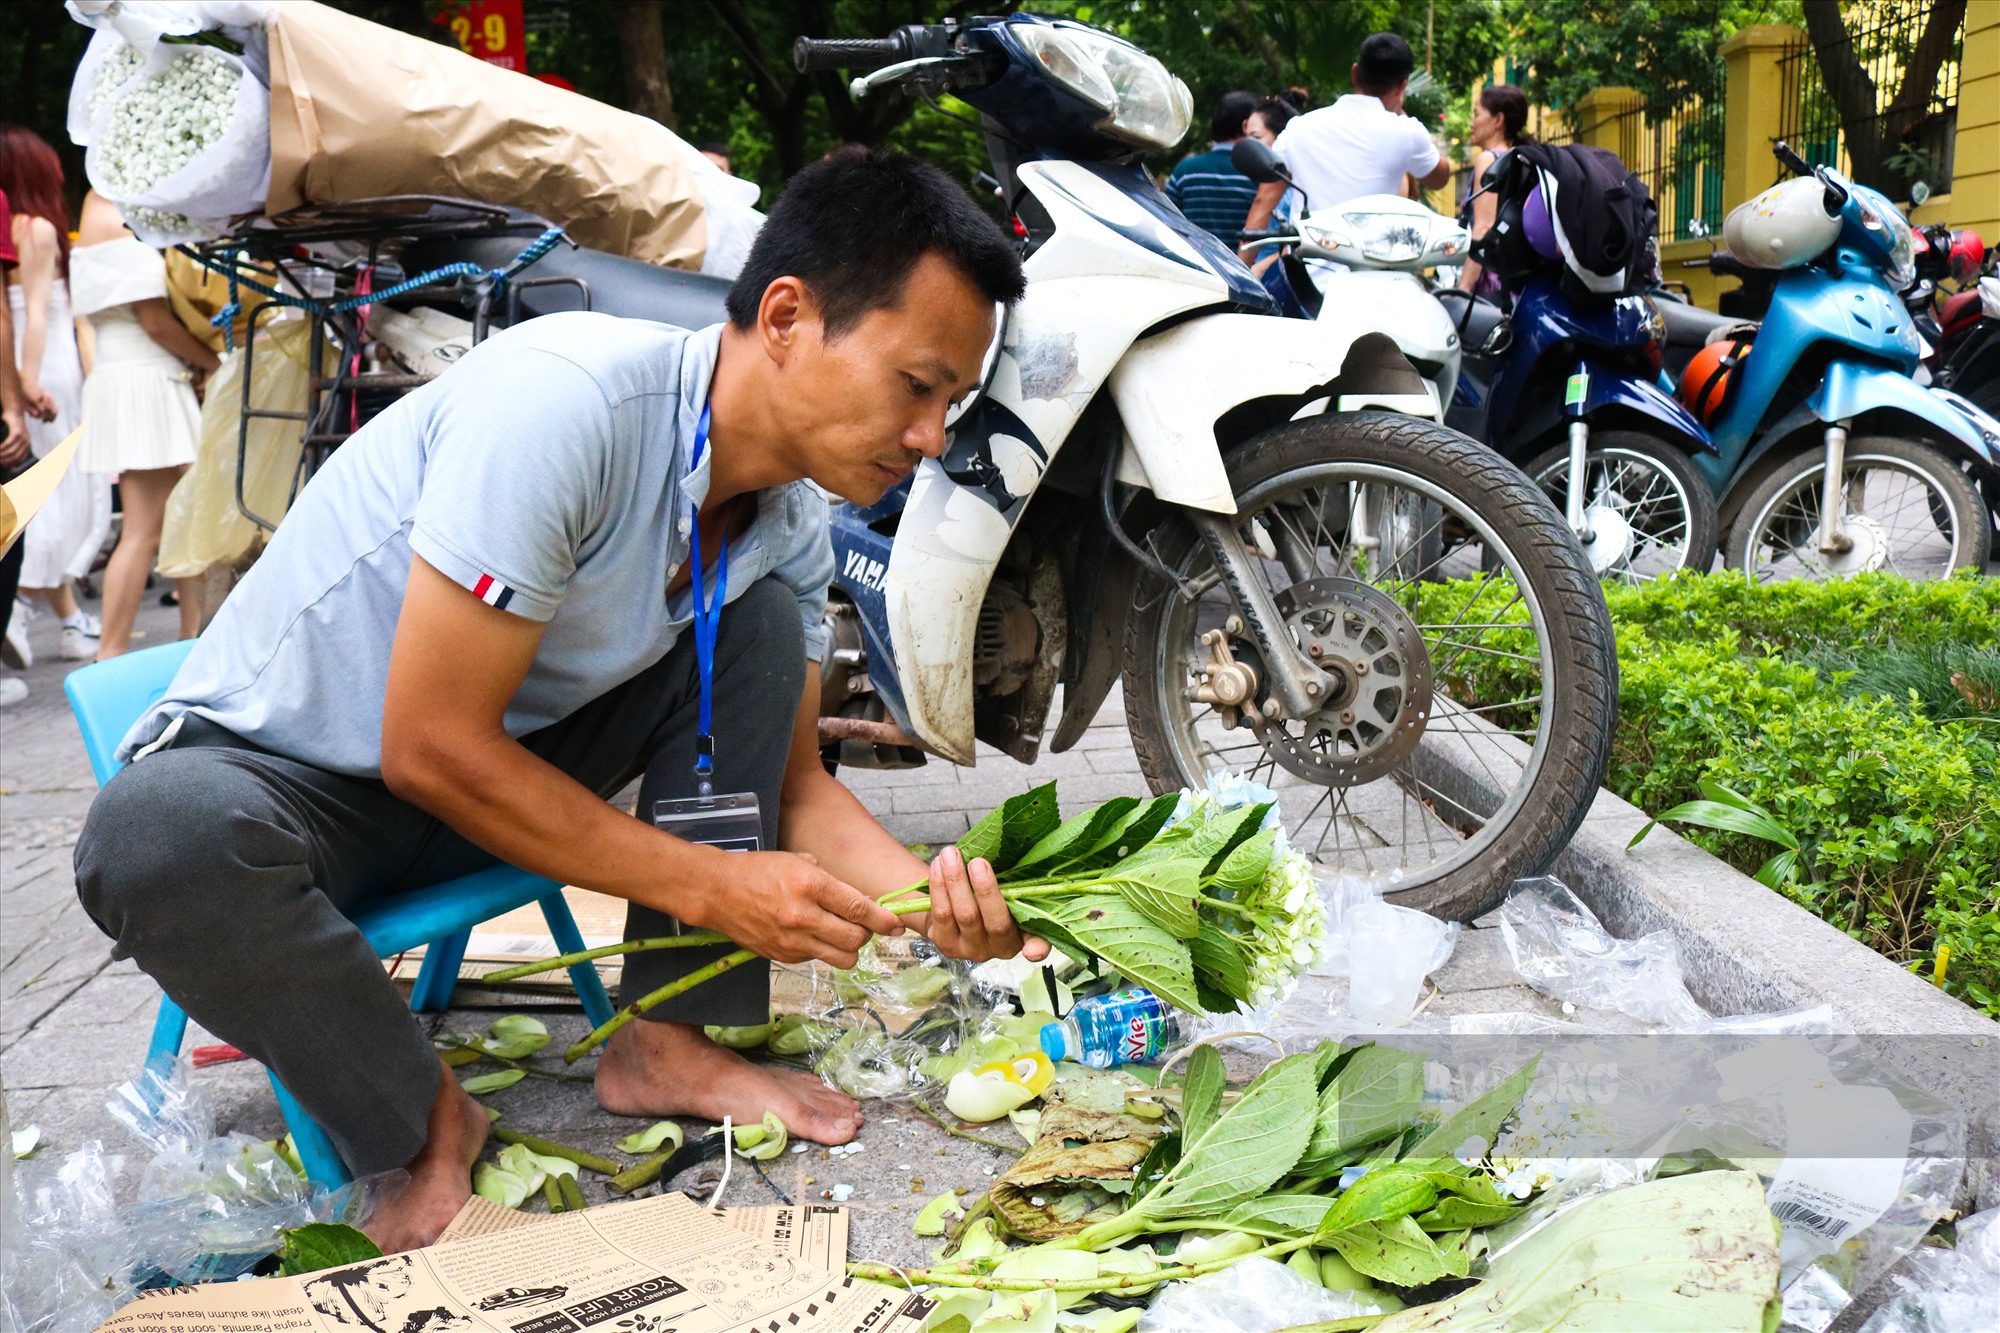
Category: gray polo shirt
[547,473]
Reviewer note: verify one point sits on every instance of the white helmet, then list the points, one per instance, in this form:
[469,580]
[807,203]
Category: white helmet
[1784,227]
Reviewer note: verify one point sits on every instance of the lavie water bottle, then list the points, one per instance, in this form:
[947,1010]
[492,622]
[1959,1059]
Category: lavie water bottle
[1132,1027]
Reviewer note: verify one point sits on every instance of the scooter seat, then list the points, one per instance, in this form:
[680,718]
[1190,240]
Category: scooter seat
[631,288]
[1689,325]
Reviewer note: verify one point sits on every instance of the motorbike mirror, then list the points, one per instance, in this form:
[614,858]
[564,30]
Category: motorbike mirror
[1255,160]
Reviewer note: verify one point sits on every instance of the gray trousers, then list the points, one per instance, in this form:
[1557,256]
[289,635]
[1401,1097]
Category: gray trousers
[227,871]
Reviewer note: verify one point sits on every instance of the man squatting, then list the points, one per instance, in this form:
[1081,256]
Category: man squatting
[473,629]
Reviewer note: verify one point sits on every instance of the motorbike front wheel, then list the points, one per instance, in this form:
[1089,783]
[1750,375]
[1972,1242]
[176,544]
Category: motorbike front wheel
[1649,512]
[1909,510]
[1477,677]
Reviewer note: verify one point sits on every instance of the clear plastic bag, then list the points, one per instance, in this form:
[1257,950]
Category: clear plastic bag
[1255,1296]
[208,1208]
[1561,950]
[1946,1291]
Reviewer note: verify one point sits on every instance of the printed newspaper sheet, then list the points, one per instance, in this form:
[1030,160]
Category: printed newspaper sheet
[653,1265]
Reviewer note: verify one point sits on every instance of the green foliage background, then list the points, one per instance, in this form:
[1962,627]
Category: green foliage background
[730,71]
[1831,705]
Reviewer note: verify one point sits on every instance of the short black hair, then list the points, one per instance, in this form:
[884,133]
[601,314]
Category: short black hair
[1277,113]
[852,227]
[716,146]
[1385,61]
[1230,113]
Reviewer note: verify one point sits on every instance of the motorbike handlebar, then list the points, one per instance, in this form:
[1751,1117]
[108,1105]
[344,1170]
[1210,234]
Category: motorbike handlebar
[1721,263]
[813,54]
[1790,160]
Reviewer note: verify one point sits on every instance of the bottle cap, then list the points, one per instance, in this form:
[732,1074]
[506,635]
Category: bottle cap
[1055,1042]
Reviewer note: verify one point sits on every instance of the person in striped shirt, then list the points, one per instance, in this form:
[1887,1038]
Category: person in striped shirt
[1207,186]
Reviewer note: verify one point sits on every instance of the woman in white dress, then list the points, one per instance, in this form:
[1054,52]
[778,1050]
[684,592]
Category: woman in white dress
[63,542]
[142,419]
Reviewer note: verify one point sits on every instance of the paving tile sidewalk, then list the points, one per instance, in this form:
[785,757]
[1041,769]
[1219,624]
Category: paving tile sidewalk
[74,1024]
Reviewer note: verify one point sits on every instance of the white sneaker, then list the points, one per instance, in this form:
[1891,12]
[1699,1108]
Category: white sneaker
[12,690]
[91,625]
[78,645]
[14,649]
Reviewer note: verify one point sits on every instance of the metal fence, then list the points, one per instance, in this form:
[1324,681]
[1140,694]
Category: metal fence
[1677,149]
[1884,107]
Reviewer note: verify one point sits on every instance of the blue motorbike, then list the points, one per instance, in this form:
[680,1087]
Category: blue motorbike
[1568,387]
[1832,459]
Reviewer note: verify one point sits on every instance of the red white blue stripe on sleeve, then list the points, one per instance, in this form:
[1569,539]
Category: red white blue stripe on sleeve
[492,592]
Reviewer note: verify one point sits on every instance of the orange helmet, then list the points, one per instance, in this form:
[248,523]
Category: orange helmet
[1706,381]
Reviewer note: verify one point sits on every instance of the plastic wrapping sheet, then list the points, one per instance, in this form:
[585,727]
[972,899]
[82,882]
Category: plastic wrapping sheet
[208,1208]
[1561,950]
[1946,1291]
[1255,1296]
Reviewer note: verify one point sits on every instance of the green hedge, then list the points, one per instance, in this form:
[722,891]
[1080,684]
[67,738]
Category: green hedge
[1862,714]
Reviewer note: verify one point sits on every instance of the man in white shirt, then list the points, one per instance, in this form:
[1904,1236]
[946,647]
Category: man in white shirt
[1362,144]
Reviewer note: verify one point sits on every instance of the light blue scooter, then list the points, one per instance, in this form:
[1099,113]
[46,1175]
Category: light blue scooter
[1830,458]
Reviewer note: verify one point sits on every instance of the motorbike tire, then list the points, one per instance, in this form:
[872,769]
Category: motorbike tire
[1579,665]
[1688,502]
[1782,511]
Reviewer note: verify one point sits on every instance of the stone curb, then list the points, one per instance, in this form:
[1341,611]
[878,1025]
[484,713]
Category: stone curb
[1746,949]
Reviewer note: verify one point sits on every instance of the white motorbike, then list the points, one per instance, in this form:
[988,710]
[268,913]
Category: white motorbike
[1365,260]
[1260,526]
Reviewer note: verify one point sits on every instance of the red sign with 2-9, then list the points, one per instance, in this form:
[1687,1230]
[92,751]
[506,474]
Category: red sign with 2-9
[494,30]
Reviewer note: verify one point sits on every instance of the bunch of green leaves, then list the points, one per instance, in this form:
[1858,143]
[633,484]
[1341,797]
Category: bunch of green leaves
[1269,1164]
[1865,783]
[1172,908]
[322,1245]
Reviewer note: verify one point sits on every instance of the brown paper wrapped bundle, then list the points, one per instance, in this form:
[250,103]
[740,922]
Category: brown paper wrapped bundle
[359,110]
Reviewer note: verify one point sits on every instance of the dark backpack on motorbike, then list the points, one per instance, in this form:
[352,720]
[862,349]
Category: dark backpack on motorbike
[1601,218]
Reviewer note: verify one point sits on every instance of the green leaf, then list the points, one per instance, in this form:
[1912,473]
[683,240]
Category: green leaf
[1453,1213]
[1132,833]
[651,1140]
[1281,1216]
[1480,1118]
[515,1035]
[1697,1251]
[480,1084]
[1245,1150]
[1382,1195]
[1201,1095]
[1222,836]
[1159,1159]
[1165,891]
[1011,829]
[1397,1252]
[1217,959]
[1244,868]
[1331,1058]
[319,1245]
[1076,837]
[1107,925]
[1376,1092]
[1774,872]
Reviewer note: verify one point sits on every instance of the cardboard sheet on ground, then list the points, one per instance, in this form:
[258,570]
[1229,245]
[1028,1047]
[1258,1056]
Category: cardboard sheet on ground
[27,493]
[815,1233]
[660,1263]
[359,110]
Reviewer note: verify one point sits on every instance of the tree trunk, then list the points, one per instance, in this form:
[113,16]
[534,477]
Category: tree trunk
[642,48]
[1874,132]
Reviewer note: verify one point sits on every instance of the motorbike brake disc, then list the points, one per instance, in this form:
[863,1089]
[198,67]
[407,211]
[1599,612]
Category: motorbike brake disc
[1366,641]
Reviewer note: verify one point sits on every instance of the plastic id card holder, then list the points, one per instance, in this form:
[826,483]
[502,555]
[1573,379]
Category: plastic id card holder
[731,821]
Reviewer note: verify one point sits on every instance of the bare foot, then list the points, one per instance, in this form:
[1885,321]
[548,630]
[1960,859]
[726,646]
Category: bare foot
[440,1175]
[663,1069]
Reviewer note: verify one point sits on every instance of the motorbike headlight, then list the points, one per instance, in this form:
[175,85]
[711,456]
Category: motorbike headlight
[1388,238]
[1147,105]
[1902,261]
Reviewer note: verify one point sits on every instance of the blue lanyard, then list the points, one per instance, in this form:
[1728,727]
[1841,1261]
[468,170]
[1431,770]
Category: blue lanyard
[707,619]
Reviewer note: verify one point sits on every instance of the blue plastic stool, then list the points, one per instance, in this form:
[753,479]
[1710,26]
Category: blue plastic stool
[108,697]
